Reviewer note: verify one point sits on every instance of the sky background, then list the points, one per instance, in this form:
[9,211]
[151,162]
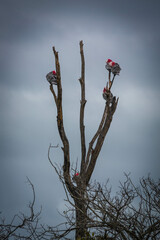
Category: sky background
[125,31]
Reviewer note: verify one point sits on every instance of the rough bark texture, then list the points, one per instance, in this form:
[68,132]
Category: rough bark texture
[81,214]
[88,161]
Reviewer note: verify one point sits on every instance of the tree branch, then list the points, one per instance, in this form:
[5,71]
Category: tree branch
[27,225]
[95,136]
[83,102]
[53,92]
[101,136]
[66,166]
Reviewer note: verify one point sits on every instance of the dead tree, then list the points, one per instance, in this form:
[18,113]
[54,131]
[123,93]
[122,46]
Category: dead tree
[22,226]
[88,156]
[132,213]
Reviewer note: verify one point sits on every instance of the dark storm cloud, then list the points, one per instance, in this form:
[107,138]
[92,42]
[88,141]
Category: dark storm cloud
[126,31]
[21,18]
[31,22]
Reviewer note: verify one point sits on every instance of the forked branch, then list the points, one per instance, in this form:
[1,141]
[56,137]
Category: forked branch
[100,136]
[95,136]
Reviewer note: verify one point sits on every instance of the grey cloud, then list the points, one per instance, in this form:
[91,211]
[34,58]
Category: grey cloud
[126,32]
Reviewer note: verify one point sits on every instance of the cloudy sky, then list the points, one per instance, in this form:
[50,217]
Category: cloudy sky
[125,31]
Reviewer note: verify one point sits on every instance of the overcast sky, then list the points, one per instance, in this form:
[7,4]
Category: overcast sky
[125,31]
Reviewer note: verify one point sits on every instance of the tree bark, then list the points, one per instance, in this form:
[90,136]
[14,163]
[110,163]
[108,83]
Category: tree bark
[83,103]
[81,217]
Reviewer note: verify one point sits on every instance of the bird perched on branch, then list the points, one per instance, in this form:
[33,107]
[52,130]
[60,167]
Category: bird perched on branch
[113,67]
[76,177]
[107,95]
[52,77]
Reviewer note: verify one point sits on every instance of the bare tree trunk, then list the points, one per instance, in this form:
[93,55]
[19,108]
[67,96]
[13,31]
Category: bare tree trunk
[81,218]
